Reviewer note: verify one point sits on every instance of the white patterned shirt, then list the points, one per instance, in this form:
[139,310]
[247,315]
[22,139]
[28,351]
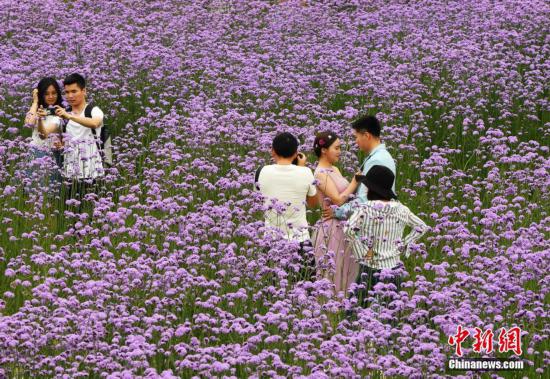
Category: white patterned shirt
[375,232]
[82,158]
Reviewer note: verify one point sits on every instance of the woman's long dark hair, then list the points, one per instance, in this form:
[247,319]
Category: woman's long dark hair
[43,86]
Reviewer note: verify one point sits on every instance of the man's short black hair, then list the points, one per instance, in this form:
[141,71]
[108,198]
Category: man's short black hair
[75,78]
[285,145]
[367,124]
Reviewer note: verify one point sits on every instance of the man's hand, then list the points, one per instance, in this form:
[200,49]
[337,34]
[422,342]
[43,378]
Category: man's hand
[328,213]
[61,112]
[301,159]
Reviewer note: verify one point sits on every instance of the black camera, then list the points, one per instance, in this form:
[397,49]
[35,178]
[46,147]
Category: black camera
[50,111]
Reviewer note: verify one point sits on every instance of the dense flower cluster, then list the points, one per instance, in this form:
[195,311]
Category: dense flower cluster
[170,276]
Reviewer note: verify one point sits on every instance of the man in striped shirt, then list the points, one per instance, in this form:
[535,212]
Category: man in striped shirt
[375,230]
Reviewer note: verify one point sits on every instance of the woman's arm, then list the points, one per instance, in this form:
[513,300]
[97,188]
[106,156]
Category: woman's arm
[328,187]
[42,132]
[419,228]
[31,117]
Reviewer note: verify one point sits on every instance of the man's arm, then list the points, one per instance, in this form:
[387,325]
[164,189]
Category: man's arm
[92,123]
[312,201]
[312,197]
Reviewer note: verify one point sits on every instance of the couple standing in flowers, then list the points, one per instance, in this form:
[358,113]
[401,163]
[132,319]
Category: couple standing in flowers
[64,142]
[362,229]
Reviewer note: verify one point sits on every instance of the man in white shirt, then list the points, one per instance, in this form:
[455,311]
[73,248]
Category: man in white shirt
[82,158]
[287,189]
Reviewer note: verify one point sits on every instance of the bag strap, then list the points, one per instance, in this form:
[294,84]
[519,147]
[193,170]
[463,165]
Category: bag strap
[88,114]
[257,177]
[65,122]
[88,110]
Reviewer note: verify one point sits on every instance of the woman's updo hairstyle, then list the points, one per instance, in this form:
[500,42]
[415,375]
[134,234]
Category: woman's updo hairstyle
[323,140]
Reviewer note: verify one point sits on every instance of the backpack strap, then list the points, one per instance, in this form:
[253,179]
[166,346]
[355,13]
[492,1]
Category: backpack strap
[88,114]
[65,122]
[257,177]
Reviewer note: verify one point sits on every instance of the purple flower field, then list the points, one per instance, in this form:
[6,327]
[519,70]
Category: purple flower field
[169,275]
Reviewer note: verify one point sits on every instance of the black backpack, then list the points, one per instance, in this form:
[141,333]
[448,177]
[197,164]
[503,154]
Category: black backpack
[103,143]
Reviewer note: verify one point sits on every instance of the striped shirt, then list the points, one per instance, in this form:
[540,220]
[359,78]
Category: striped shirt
[375,232]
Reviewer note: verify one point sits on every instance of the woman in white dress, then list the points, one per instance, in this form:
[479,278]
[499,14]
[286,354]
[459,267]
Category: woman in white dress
[46,144]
